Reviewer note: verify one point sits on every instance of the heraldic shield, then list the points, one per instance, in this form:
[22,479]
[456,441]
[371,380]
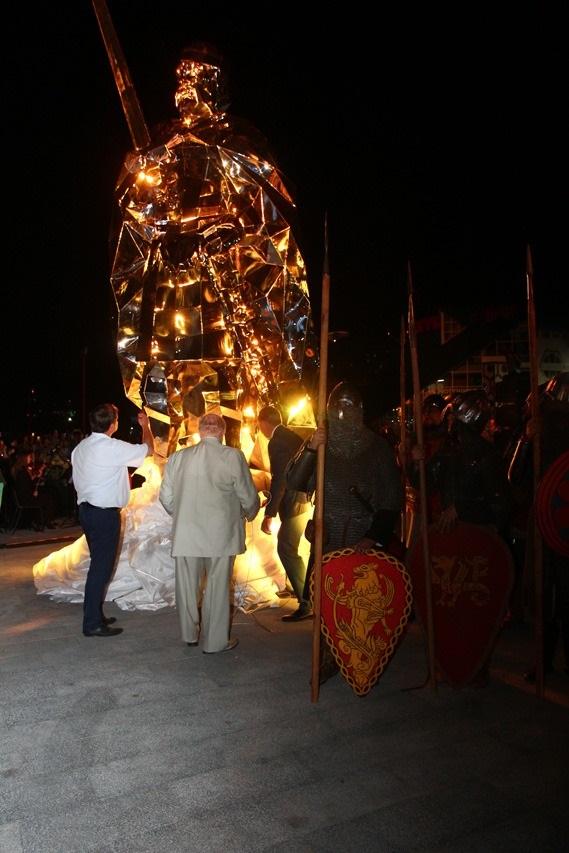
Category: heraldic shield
[366,603]
[552,505]
[472,576]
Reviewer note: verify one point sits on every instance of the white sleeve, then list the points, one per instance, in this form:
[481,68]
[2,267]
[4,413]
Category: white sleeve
[124,453]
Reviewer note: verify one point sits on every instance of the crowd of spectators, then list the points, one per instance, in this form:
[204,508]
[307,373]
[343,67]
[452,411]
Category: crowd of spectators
[36,469]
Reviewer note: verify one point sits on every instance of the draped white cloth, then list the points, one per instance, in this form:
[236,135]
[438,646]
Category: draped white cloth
[144,578]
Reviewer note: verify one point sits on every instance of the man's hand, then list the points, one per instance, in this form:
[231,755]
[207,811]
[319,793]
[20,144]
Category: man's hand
[147,438]
[318,438]
[266,524]
[531,429]
[447,519]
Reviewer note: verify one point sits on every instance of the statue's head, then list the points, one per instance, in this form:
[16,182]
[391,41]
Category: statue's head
[199,93]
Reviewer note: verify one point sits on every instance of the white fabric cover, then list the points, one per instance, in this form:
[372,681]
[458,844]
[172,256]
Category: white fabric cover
[145,574]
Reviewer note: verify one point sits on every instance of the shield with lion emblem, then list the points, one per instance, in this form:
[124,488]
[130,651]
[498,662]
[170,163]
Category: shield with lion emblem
[366,603]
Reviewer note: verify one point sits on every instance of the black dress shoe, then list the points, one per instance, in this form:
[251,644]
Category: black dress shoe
[193,643]
[108,620]
[103,631]
[298,615]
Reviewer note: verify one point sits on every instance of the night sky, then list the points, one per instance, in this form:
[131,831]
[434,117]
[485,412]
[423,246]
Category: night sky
[436,137]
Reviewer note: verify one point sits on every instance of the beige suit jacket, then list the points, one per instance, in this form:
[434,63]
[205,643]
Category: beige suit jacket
[209,491]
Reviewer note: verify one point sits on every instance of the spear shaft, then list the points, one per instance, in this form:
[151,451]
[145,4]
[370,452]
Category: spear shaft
[536,453]
[129,100]
[320,467]
[422,481]
[402,430]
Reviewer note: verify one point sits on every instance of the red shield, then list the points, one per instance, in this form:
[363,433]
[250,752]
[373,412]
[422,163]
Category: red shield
[552,505]
[366,602]
[472,576]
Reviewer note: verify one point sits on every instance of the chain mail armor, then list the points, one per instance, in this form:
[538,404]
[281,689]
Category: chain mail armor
[362,485]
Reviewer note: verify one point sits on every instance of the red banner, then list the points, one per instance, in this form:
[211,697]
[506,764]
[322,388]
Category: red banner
[472,576]
[366,603]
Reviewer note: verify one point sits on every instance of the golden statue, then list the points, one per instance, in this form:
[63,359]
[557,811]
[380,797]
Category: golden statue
[210,285]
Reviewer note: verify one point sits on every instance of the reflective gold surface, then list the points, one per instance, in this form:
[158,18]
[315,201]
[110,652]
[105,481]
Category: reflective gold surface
[210,285]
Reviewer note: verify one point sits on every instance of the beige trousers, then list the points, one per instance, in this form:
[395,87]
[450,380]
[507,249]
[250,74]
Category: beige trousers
[215,607]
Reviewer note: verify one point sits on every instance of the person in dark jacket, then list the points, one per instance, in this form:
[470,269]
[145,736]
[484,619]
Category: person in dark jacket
[469,473]
[291,505]
[554,429]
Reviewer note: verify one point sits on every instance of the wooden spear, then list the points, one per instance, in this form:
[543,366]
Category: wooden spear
[422,480]
[127,93]
[402,430]
[536,448]
[320,464]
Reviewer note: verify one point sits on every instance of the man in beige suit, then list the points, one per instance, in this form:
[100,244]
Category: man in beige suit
[209,491]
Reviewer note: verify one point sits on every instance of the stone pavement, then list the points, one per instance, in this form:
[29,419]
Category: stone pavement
[139,743]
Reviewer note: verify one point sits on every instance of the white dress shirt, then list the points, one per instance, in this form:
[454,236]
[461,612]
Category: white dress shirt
[100,469]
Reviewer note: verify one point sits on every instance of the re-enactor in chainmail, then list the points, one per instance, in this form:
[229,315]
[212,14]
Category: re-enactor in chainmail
[362,486]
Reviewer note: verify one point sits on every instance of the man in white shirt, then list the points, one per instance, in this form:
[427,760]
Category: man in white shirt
[100,475]
[209,491]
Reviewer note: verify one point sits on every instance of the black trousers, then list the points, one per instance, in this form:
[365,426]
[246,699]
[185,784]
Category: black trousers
[102,529]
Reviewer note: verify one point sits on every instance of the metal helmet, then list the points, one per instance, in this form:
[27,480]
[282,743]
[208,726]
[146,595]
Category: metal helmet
[472,409]
[203,52]
[434,401]
[558,388]
[200,89]
[345,402]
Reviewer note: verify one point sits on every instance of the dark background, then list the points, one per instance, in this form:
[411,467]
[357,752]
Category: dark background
[436,137]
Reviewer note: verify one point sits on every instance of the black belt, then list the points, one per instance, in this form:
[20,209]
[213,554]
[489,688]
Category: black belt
[86,503]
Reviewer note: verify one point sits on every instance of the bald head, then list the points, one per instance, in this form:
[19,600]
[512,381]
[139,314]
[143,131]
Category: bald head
[212,425]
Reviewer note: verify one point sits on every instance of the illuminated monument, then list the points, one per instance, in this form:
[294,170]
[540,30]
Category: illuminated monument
[210,285]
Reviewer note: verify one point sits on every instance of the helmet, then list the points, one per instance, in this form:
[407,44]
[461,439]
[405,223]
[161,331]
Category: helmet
[434,401]
[434,410]
[472,409]
[345,402]
[204,53]
[558,388]
[200,91]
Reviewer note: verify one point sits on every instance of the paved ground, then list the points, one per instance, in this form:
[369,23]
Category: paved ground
[139,743]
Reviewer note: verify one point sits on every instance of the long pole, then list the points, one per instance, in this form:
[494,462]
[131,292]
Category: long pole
[536,448]
[422,480]
[320,464]
[127,93]
[402,430]
[84,390]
